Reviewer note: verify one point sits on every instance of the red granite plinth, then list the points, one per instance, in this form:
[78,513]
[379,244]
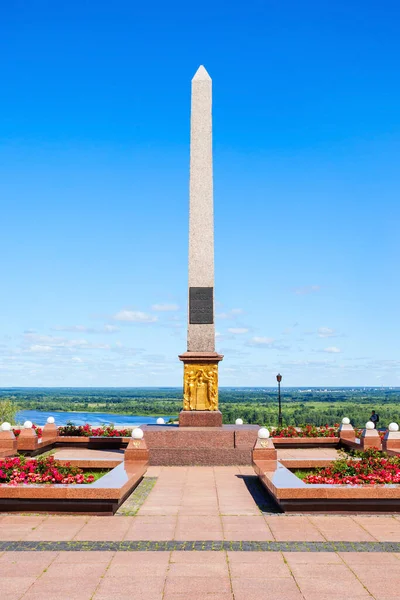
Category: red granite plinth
[265,454]
[200,418]
[8,443]
[206,446]
[196,357]
[200,457]
[370,439]
[136,451]
[346,432]
[27,440]
[245,435]
[391,441]
[188,437]
[50,433]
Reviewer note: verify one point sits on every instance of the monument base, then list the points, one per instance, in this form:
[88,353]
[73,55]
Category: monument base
[200,418]
[206,446]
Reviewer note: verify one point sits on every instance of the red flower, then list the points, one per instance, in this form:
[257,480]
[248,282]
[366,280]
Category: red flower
[370,467]
[306,431]
[42,470]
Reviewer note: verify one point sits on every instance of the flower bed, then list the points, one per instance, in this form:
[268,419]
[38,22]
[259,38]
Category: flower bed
[307,431]
[39,431]
[71,430]
[370,467]
[42,470]
[359,433]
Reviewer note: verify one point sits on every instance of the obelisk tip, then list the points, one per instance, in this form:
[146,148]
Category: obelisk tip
[201,75]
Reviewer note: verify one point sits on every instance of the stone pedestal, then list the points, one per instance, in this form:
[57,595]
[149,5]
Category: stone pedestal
[50,433]
[370,439]
[8,443]
[265,454]
[200,390]
[200,418]
[27,440]
[346,432]
[391,441]
[136,451]
[206,446]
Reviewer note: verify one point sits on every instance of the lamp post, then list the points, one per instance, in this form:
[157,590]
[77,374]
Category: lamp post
[279,379]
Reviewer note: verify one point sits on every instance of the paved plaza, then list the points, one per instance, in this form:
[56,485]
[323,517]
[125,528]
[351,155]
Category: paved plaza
[199,532]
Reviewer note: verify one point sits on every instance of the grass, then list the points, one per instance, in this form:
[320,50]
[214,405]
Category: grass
[96,474]
[303,473]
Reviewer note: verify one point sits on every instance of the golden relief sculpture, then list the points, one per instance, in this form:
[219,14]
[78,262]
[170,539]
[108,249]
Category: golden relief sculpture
[200,386]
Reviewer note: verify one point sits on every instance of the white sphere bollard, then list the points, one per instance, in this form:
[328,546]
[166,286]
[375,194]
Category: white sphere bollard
[6,426]
[239,422]
[137,433]
[393,427]
[160,421]
[263,433]
[369,425]
[28,425]
[345,421]
[50,420]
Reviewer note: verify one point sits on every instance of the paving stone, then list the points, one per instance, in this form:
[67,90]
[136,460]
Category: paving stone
[197,585]
[133,503]
[171,547]
[13,588]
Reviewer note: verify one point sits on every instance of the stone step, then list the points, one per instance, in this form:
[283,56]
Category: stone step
[200,456]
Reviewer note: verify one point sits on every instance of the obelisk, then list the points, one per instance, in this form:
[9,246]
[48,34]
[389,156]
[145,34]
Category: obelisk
[200,380]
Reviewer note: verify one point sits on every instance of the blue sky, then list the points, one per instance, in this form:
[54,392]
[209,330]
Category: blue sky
[94,134]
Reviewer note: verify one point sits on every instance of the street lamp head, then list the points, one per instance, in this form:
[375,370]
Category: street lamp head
[279,378]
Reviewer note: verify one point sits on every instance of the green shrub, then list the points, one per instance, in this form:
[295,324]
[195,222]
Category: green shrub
[8,411]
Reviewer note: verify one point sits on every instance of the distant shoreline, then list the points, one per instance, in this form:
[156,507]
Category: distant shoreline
[227,388]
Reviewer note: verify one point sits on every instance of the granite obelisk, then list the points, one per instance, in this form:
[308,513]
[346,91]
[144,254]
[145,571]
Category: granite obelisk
[200,407]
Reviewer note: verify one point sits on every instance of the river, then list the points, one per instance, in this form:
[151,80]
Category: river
[39,417]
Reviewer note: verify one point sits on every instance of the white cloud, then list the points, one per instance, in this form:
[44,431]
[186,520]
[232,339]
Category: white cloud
[39,348]
[238,330]
[164,307]
[306,363]
[325,332]
[42,339]
[80,328]
[266,342]
[230,314]
[126,350]
[261,341]
[84,329]
[46,343]
[110,328]
[332,350]
[306,289]
[85,345]
[134,316]
[229,352]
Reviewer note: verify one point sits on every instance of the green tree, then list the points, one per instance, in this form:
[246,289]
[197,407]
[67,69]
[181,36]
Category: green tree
[8,411]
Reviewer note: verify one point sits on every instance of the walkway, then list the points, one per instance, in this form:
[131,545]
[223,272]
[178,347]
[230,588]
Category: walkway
[208,508]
